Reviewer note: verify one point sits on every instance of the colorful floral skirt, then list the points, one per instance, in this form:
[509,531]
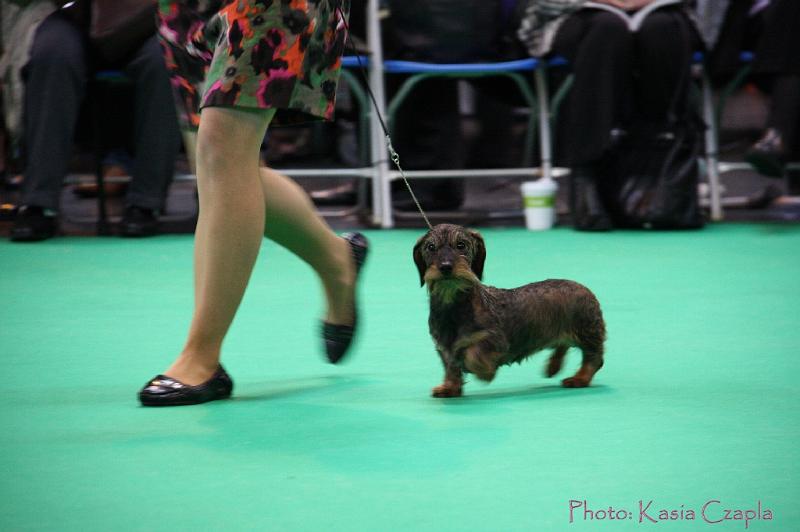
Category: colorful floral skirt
[261,54]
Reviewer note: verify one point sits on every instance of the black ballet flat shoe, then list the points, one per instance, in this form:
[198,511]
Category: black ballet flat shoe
[166,391]
[338,338]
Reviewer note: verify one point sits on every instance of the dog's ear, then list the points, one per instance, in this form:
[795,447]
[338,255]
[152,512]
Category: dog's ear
[480,254]
[419,260]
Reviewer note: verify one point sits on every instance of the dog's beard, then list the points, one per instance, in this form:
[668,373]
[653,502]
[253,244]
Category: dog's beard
[448,289]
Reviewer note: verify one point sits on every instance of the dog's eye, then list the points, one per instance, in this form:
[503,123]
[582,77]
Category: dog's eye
[460,245]
[431,246]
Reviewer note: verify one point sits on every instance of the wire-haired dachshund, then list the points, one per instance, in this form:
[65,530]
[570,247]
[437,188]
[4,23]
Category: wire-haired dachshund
[477,328]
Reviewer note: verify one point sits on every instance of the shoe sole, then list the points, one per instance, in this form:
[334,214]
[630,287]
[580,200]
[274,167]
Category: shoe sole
[150,401]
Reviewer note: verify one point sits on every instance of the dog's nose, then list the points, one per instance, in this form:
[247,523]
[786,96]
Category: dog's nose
[446,268]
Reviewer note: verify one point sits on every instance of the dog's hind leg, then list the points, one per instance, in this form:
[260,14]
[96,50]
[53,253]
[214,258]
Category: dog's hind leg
[453,380]
[556,360]
[592,348]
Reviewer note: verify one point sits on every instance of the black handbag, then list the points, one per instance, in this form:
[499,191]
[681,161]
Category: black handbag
[651,180]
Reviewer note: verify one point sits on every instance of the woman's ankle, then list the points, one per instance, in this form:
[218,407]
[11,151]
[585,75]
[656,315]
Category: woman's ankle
[338,281]
[194,368]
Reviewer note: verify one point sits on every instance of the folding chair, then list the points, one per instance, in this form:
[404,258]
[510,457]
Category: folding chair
[536,101]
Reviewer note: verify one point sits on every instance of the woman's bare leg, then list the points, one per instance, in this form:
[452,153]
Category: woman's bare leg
[293,222]
[229,230]
[190,145]
[228,144]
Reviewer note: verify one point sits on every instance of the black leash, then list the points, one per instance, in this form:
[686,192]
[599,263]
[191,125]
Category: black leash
[393,155]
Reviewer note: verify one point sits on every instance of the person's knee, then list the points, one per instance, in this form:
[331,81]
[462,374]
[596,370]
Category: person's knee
[229,138]
[610,28]
[661,24]
[58,47]
[665,39]
[213,151]
[664,30]
[221,149]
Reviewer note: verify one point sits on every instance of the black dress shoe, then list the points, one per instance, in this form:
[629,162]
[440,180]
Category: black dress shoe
[768,154]
[586,206]
[138,222]
[338,338]
[33,224]
[166,391]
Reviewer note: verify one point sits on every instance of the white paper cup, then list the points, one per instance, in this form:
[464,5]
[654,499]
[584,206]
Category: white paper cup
[539,198]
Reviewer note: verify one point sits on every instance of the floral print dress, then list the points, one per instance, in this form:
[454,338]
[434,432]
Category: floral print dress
[260,54]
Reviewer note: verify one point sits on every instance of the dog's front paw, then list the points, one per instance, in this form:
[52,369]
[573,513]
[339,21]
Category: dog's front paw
[582,378]
[446,389]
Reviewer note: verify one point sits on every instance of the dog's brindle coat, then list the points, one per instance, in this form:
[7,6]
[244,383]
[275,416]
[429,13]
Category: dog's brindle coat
[477,328]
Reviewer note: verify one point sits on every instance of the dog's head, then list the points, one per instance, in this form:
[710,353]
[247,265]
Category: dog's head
[451,254]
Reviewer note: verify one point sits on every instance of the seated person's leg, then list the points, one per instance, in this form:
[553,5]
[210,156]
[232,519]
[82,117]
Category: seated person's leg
[427,135]
[55,82]
[599,48]
[156,137]
[664,46]
[779,141]
[777,66]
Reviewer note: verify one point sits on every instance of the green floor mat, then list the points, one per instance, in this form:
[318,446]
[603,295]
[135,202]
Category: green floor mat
[696,403]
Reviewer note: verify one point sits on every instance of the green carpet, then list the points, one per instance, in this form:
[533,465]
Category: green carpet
[696,403]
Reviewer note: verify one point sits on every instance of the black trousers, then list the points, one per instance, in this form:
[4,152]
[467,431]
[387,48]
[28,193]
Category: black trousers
[778,60]
[55,86]
[427,135]
[621,76]
[774,37]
